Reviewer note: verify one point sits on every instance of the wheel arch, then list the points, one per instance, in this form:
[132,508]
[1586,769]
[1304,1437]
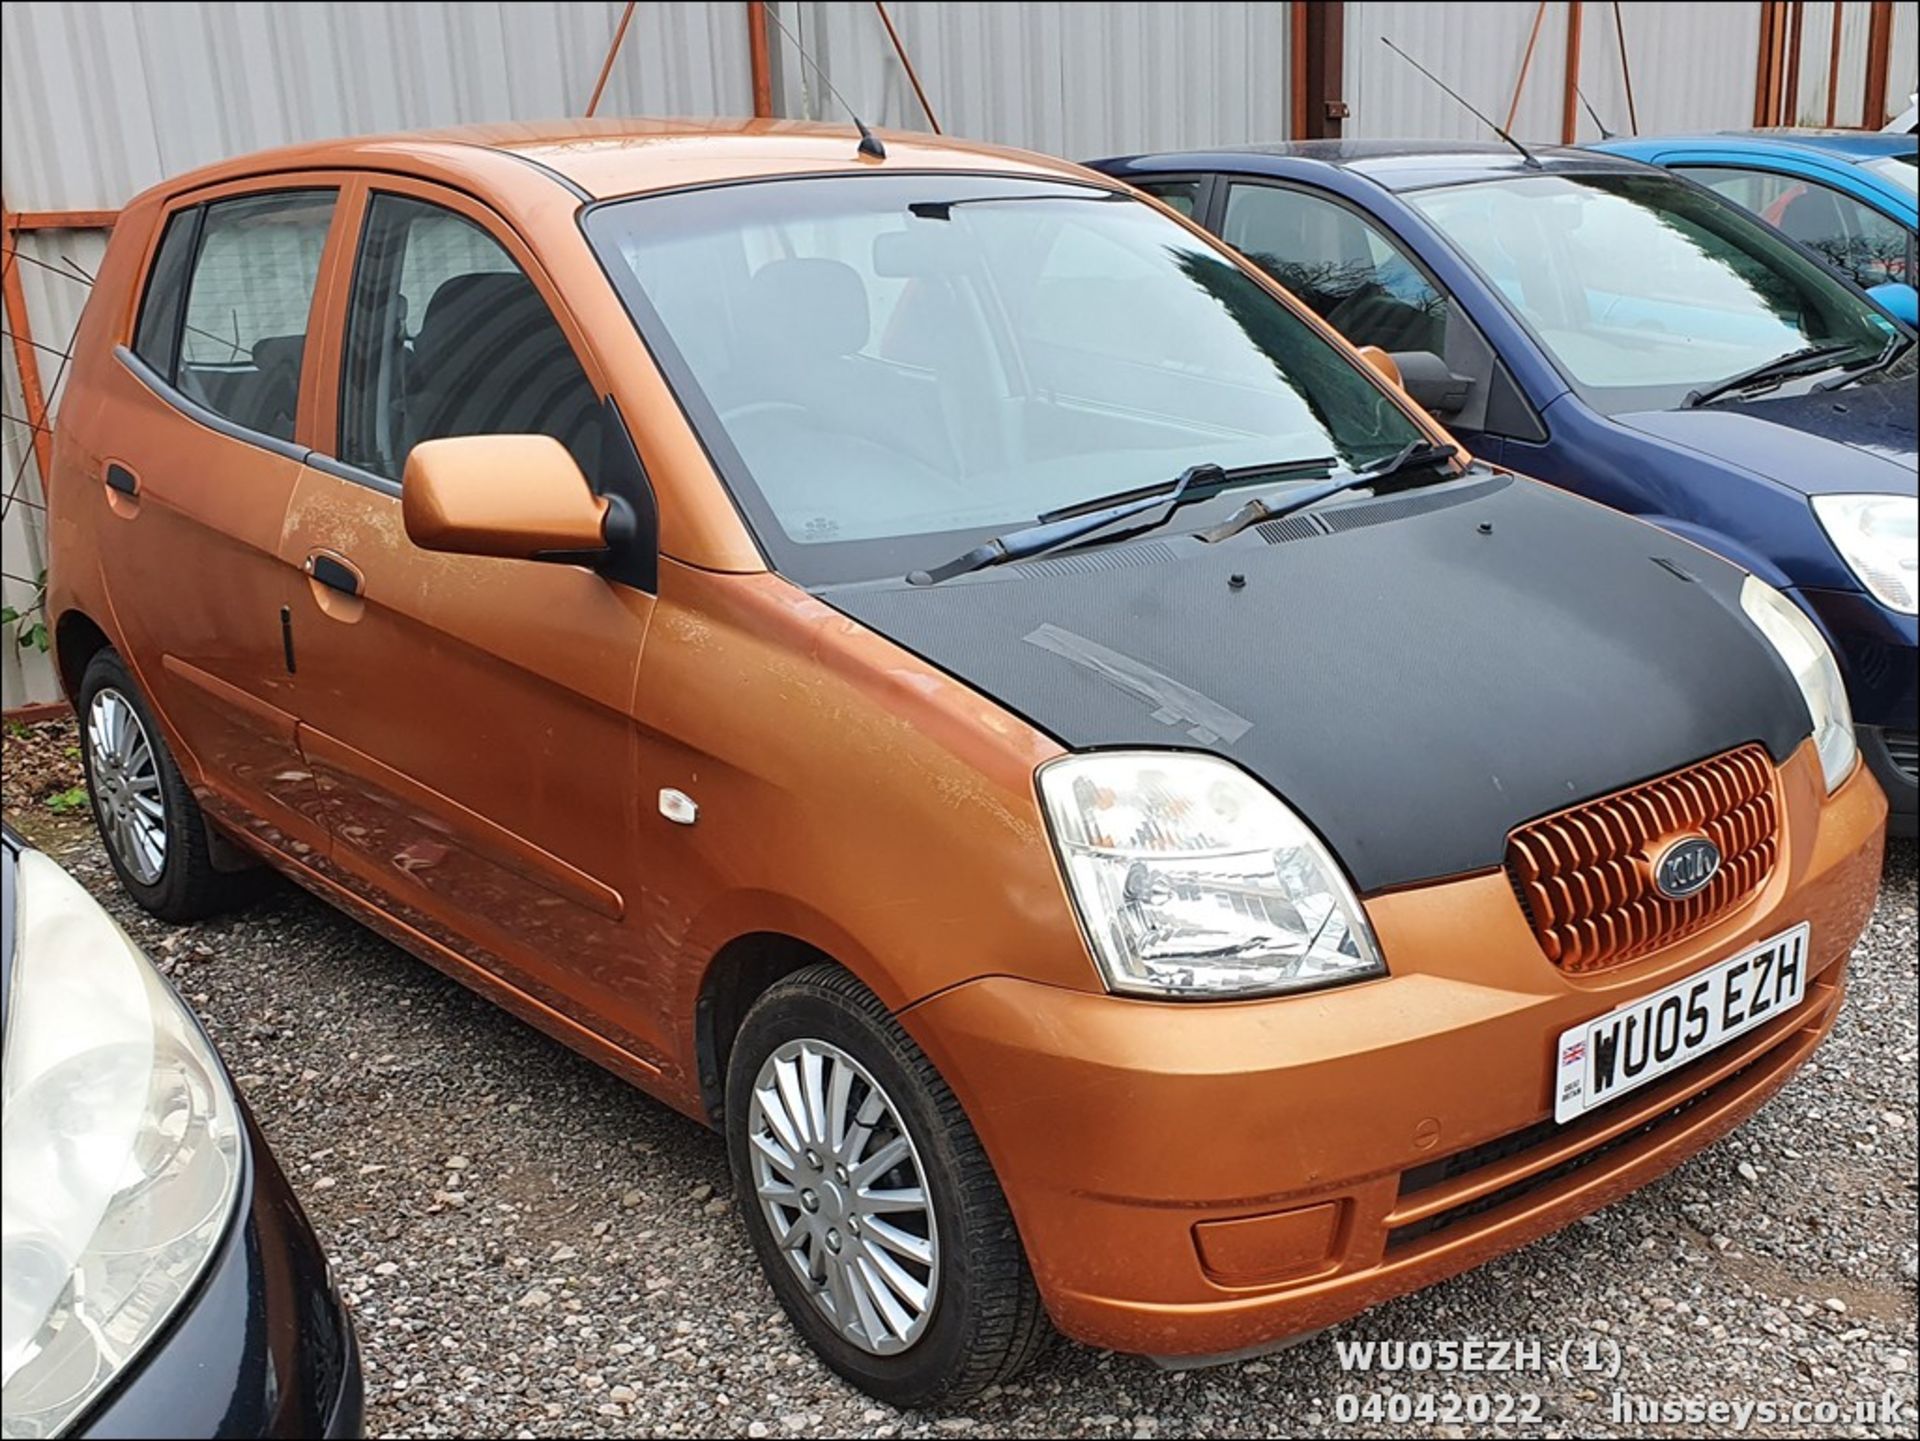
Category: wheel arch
[77,639]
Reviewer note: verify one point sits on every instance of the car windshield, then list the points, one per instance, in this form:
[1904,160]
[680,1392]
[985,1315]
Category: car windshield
[1901,169]
[889,368]
[1645,288]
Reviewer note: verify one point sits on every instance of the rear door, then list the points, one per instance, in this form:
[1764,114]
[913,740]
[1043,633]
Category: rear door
[204,453]
[468,718]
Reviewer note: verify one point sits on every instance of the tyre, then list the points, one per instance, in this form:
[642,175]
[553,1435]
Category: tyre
[873,1208]
[152,827]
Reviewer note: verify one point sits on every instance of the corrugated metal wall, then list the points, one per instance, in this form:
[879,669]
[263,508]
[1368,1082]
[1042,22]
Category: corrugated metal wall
[1903,70]
[98,100]
[1080,80]
[1480,59]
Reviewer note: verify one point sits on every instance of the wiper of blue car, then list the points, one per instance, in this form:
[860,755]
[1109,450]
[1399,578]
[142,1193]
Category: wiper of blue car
[1416,454]
[1896,345]
[1781,367]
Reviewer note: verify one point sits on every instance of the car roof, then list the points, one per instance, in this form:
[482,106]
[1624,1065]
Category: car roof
[1851,146]
[616,156]
[1395,164]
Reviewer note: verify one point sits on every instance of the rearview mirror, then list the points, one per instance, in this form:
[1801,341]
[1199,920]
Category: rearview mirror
[1899,300]
[520,497]
[1425,377]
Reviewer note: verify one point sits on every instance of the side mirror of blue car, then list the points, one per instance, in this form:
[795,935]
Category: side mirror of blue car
[1900,300]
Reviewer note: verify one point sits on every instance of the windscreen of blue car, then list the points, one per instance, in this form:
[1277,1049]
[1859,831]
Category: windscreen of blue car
[1644,288]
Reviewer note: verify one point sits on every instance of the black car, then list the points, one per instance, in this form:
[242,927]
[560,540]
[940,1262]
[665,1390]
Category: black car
[160,1279]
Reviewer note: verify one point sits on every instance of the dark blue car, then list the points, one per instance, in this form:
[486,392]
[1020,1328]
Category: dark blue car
[1628,335]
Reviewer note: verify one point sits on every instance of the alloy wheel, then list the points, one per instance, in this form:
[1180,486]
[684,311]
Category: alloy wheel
[841,1185]
[126,786]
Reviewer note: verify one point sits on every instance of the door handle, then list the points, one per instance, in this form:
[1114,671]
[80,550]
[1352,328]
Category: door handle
[333,573]
[121,479]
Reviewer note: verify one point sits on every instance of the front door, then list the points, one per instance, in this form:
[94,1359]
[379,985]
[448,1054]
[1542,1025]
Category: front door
[468,718]
[191,509]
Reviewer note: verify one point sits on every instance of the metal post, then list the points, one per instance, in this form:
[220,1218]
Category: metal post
[912,75]
[1790,102]
[1325,60]
[757,57]
[1526,63]
[606,67]
[1833,63]
[25,358]
[1873,111]
[1569,102]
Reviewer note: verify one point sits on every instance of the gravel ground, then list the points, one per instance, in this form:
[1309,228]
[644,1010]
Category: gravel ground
[532,1248]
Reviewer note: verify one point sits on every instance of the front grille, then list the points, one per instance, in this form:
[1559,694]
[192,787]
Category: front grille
[1903,748]
[1585,876]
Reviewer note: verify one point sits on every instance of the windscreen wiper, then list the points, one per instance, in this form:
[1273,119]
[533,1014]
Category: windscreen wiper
[1415,454]
[1781,367]
[1894,348]
[1077,522]
[1055,529]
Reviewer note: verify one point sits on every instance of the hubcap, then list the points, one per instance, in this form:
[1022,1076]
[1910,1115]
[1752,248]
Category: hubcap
[842,1187]
[126,786]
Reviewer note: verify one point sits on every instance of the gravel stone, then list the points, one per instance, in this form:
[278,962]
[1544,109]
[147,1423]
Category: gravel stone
[528,1244]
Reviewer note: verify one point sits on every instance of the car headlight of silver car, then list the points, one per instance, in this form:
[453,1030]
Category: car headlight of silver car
[1810,658]
[1878,536]
[1194,881]
[121,1144]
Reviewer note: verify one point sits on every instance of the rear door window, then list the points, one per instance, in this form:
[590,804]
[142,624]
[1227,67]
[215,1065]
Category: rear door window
[1867,247]
[248,299]
[1356,279]
[447,336]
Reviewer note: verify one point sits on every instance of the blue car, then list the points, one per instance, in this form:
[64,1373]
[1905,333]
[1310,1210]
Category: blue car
[1846,194]
[1606,327]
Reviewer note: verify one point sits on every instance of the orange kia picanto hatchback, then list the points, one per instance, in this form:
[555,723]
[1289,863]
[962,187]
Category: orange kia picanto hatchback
[929,663]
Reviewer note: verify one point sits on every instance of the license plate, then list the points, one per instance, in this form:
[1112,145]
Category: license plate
[1649,1037]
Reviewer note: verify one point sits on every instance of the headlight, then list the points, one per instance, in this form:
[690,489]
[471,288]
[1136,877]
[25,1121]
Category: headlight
[1876,536]
[1808,656]
[1194,881]
[121,1146]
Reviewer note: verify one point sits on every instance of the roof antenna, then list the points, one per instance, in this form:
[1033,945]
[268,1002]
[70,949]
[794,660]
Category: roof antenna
[869,142]
[1599,124]
[1525,154]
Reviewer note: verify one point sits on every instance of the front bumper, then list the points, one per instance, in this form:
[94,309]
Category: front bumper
[1205,1179]
[263,1348]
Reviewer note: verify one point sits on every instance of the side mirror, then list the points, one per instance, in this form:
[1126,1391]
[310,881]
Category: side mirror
[520,497]
[1382,364]
[1899,300]
[1425,377]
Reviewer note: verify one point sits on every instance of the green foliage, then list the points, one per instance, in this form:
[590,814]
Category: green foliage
[73,798]
[29,626]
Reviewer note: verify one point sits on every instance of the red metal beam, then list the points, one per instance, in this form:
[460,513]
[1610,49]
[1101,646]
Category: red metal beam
[1570,100]
[1873,111]
[26,359]
[1626,70]
[1833,63]
[606,66]
[62,220]
[1526,63]
[1790,100]
[758,57]
[1297,66]
[1767,72]
[913,75]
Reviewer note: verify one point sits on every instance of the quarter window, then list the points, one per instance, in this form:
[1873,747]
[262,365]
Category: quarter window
[1356,279]
[156,339]
[447,336]
[1857,240]
[245,328]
